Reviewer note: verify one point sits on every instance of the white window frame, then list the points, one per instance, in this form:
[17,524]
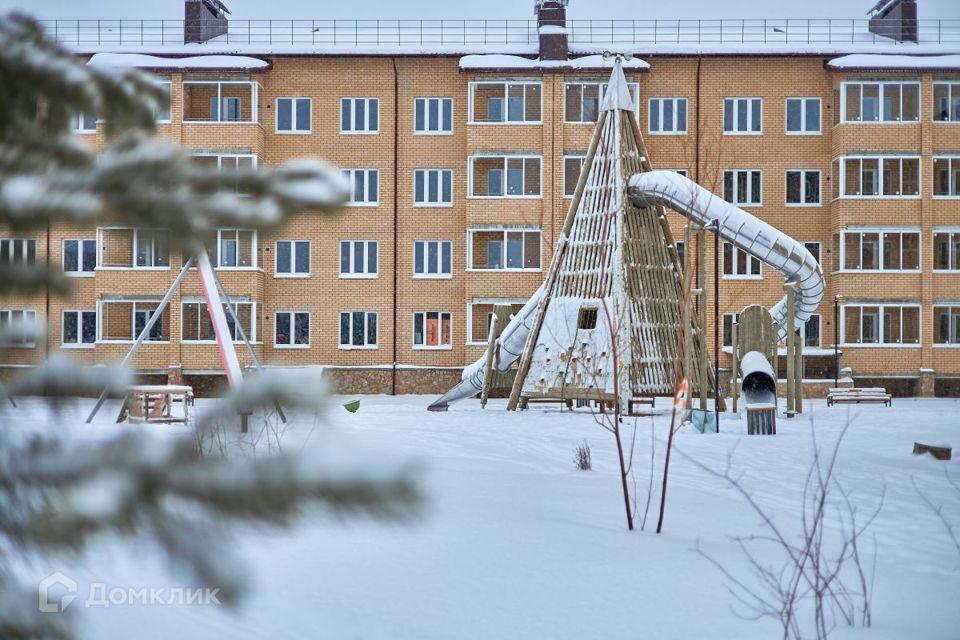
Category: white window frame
[471,91]
[733,263]
[953,310]
[819,249]
[362,274]
[426,275]
[952,87]
[253,250]
[582,157]
[736,181]
[803,181]
[469,341]
[880,325]
[632,87]
[350,176]
[366,329]
[842,178]
[675,107]
[442,103]
[735,317]
[880,102]
[429,347]
[953,185]
[79,344]
[293,273]
[881,231]
[441,174]
[153,251]
[292,318]
[736,101]
[354,130]
[78,272]
[953,260]
[168,84]
[294,122]
[28,316]
[506,194]
[77,123]
[24,248]
[803,116]
[504,231]
[254,101]
[133,321]
[252,336]
[803,335]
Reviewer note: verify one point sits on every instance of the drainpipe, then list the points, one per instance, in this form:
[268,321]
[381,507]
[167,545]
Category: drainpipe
[46,319]
[696,151]
[396,153]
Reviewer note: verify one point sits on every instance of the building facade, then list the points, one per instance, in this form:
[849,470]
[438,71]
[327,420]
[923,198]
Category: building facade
[462,160]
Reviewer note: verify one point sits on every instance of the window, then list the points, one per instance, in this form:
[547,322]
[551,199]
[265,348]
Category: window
[432,259]
[359,115]
[293,258]
[881,324]
[294,115]
[946,324]
[79,328]
[226,162]
[358,330]
[433,116]
[668,116]
[803,187]
[946,176]
[742,187]
[814,249]
[291,329]
[358,259]
[504,249]
[728,321]
[225,110]
[582,100]
[505,102]
[480,317]
[587,318]
[223,101]
[737,263]
[18,250]
[880,101]
[17,328]
[431,330]
[79,256]
[803,116]
[742,116]
[504,176]
[679,244]
[433,188]
[880,250]
[82,123]
[879,176]
[364,190]
[162,112]
[235,248]
[151,248]
[946,250]
[197,326]
[811,332]
[125,320]
[572,166]
[946,101]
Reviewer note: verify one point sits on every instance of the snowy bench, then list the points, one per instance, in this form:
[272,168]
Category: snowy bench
[858,395]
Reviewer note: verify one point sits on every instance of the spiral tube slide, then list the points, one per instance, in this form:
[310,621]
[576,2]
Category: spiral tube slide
[699,205]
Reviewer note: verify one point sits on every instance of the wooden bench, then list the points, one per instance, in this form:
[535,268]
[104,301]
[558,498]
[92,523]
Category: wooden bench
[859,395]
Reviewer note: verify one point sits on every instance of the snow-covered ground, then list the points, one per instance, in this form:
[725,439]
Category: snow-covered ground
[514,542]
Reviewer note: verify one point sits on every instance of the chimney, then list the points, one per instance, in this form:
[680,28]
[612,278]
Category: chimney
[203,20]
[552,28]
[896,19]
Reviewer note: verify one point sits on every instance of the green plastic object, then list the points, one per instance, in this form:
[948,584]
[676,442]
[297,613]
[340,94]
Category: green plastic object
[352,406]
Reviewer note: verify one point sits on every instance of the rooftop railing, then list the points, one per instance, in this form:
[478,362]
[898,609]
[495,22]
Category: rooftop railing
[433,33]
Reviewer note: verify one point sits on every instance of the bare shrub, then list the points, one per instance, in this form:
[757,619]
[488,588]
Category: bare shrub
[581,456]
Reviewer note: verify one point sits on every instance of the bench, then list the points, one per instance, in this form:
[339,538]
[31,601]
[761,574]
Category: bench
[859,395]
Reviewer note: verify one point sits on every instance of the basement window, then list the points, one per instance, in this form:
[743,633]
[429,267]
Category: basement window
[587,318]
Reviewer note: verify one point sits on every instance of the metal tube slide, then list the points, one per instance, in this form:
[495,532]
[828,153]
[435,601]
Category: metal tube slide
[743,230]
[508,349]
[759,382]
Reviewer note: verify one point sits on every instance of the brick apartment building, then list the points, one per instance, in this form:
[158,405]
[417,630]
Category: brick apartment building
[463,141]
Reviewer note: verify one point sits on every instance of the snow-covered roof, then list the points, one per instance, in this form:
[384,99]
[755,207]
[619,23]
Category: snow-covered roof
[503,62]
[195,63]
[881,62]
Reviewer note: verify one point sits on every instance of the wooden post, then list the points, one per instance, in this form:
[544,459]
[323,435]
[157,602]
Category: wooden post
[798,372]
[702,301]
[501,316]
[687,316]
[791,290]
[735,366]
